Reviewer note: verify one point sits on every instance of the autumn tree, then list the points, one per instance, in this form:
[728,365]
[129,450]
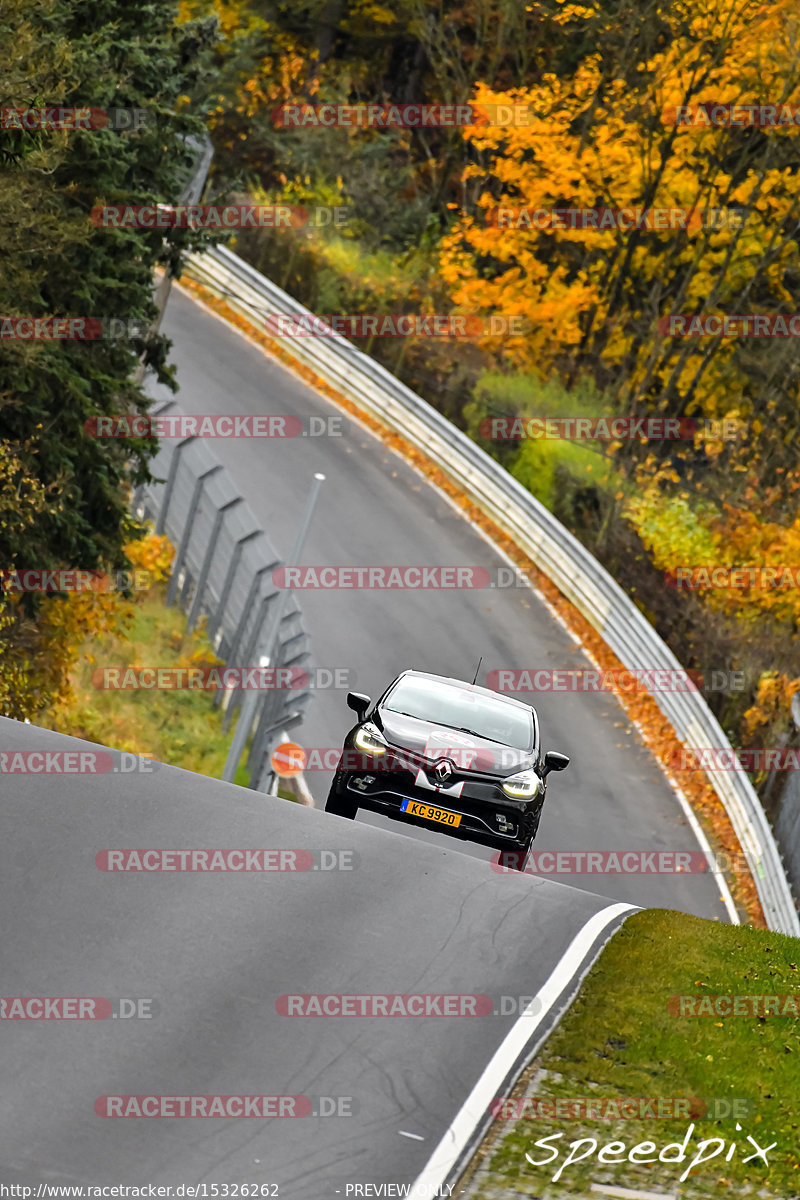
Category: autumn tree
[605,137]
[64,497]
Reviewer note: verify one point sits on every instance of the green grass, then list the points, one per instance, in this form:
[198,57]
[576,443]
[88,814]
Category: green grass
[181,728]
[619,1038]
[536,460]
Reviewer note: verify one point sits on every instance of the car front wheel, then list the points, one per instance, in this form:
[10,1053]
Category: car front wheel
[517,858]
[530,826]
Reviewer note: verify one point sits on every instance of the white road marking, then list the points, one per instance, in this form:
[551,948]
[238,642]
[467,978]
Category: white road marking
[631,1193]
[458,1135]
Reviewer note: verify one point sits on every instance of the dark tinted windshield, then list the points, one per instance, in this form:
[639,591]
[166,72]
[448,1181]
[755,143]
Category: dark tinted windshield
[458,709]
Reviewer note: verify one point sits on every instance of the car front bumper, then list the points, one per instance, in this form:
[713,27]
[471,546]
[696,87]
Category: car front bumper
[478,807]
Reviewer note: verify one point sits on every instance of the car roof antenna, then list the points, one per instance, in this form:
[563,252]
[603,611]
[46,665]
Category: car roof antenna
[480,660]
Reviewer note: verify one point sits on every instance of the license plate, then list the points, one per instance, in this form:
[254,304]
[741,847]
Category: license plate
[430,813]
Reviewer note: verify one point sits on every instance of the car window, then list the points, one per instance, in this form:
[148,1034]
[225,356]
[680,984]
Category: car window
[459,709]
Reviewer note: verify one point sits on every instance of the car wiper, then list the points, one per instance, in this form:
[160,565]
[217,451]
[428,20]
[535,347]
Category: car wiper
[474,732]
[444,725]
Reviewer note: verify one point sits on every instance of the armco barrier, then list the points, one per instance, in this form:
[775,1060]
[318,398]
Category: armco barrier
[223,570]
[538,534]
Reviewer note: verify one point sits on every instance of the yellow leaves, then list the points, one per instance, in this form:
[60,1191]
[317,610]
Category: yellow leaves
[581,152]
[186,12]
[375,13]
[773,699]
[573,12]
[152,553]
[65,622]
[669,528]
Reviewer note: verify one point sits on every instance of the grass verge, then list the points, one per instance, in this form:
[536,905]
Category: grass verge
[624,1037]
[178,727]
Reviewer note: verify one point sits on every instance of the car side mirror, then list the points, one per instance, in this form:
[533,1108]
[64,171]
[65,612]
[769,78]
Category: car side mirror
[553,761]
[360,703]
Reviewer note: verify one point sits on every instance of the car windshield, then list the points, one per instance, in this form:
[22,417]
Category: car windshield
[457,708]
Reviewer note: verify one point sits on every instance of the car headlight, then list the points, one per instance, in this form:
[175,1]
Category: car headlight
[522,786]
[371,743]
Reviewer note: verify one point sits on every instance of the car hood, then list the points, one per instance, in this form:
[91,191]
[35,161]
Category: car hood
[468,753]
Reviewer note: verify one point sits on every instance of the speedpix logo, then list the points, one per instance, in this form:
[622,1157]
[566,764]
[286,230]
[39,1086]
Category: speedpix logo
[646,1152]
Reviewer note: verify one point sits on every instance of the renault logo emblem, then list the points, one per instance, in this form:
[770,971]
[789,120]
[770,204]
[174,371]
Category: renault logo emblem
[443,770]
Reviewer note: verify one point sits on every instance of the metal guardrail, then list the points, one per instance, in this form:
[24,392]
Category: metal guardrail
[223,560]
[538,534]
[223,570]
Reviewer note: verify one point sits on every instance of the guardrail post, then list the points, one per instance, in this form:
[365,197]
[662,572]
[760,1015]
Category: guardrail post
[216,619]
[187,531]
[248,606]
[170,485]
[235,697]
[268,714]
[272,699]
[207,560]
